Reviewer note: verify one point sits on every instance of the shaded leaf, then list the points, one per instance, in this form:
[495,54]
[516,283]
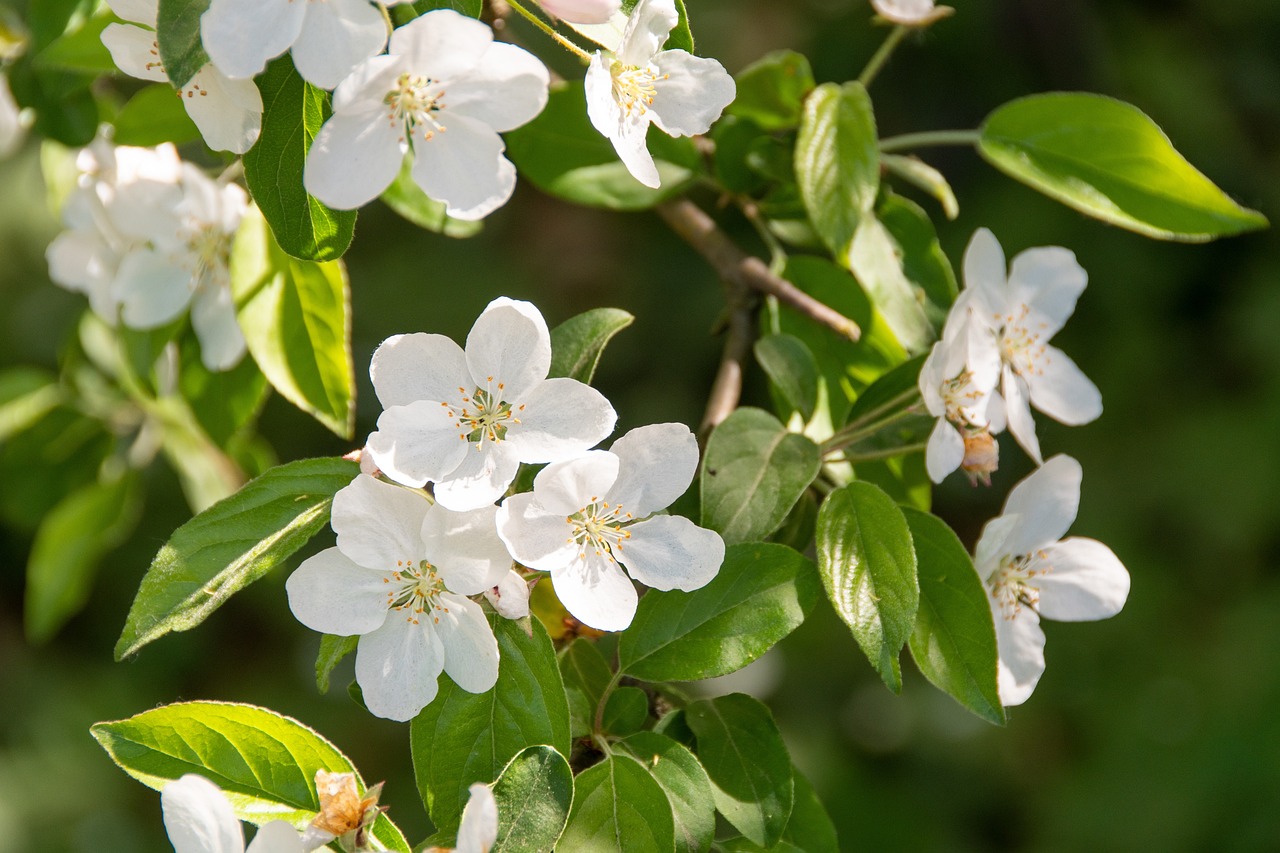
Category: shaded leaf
[837,161]
[578,343]
[618,806]
[685,783]
[534,795]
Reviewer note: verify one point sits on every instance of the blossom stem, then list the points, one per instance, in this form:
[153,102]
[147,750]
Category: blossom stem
[887,453]
[550,31]
[881,56]
[892,405]
[929,138]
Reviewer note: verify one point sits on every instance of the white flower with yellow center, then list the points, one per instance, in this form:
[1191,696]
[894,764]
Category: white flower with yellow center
[465,420]
[399,578]
[641,84]
[592,516]
[199,819]
[443,92]
[1030,572]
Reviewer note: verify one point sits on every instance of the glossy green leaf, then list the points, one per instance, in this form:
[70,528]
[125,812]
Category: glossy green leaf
[332,650]
[868,567]
[685,783]
[797,531]
[224,401]
[626,711]
[915,171]
[462,737]
[877,261]
[586,676]
[178,35]
[953,642]
[79,49]
[752,474]
[231,545]
[65,107]
[296,318]
[578,343]
[534,795]
[1107,159]
[406,198]
[808,831]
[152,116]
[837,161]
[264,762]
[792,369]
[762,593]
[743,753]
[771,90]
[26,396]
[892,393]
[619,808]
[925,265]
[294,110]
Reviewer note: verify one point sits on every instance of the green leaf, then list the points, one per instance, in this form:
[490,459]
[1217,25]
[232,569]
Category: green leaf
[224,401]
[332,650]
[868,567]
[626,711]
[792,369]
[797,531]
[231,545]
[893,392]
[876,259]
[953,642]
[206,473]
[761,594]
[69,544]
[771,91]
[152,116]
[293,111]
[808,831]
[578,343]
[26,396]
[1107,159]
[406,198]
[80,49]
[753,472]
[685,783]
[178,35]
[617,806]
[742,750]
[924,264]
[464,737]
[837,161]
[564,155]
[534,794]
[470,8]
[586,676]
[296,318]
[265,762]
[915,171]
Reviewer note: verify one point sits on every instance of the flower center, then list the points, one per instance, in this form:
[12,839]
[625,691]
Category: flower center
[414,589]
[633,86]
[208,252]
[414,103]
[1011,582]
[1020,347]
[484,415]
[958,395]
[599,527]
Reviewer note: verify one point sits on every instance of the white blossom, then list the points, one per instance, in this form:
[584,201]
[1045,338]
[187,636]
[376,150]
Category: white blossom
[590,517]
[465,420]
[399,578]
[911,13]
[227,112]
[582,11]
[1030,572]
[199,819]
[641,83]
[478,830]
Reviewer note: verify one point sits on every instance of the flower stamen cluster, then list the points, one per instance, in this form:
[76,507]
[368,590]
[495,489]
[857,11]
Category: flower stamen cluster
[599,527]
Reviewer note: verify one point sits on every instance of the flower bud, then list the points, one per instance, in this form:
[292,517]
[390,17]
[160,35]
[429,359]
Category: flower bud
[910,13]
[582,11]
[510,597]
[981,457]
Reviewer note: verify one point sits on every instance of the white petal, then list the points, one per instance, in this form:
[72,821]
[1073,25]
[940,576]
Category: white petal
[241,35]
[608,35]
[199,818]
[81,261]
[536,537]
[397,667]
[366,87]
[984,274]
[152,288]
[354,158]
[409,368]
[904,11]
[690,94]
[582,11]
[510,596]
[478,831]
[566,487]
[509,344]
[470,649]
[276,837]
[442,44]
[12,125]
[379,526]
[991,544]
[507,89]
[1017,411]
[464,168]
[465,548]
[647,29]
[945,451]
[485,472]
[1020,643]
[1087,581]
[227,112]
[417,443]
[671,552]
[213,316]
[1047,501]
[562,417]
[996,418]
[330,594]
[656,464]
[627,131]
[336,36]
[596,592]
[137,11]
[1048,280]
[1062,391]
[134,51]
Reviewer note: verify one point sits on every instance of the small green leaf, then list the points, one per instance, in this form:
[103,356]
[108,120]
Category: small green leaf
[231,545]
[915,171]
[619,808]
[534,794]
[626,711]
[462,737]
[293,111]
[26,396]
[332,650]
[792,369]
[808,831]
[753,472]
[586,676]
[406,198]
[837,161]
[578,343]
[893,392]
[742,750]
[924,264]
[264,762]
[953,642]
[178,35]
[762,593]
[868,566]
[687,787]
[1107,159]
[296,318]
[771,91]
[152,116]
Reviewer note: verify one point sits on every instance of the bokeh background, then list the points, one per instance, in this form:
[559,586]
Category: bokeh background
[1156,730]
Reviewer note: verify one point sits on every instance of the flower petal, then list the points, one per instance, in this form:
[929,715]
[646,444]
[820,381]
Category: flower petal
[656,465]
[336,36]
[671,552]
[1062,391]
[1047,501]
[354,157]
[199,818]
[566,487]
[465,548]
[1048,280]
[152,288]
[509,344]
[397,667]
[991,544]
[984,274]
[470,649]
[627,131]
[213,316]
[485,472]
[1086,581]
[1018,413]
[276,837]
[134,51]
[379,526]
[650,24]
[478,831]
[136,11]
[81,261]
[1020,644]
[227,112]
[562,417]
[596,592]
[442,44]
[241,35]
[331,594]
[507,89]
[536,537]
[690,94]
[464,167]
[409,368]
[417,443]
[945,451]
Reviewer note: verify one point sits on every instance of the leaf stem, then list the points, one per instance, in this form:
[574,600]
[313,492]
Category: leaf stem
[882,54]
[598,728]
[929,138]
[893,404]
[550,31]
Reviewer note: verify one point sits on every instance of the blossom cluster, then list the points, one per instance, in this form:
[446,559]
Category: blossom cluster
[462,421]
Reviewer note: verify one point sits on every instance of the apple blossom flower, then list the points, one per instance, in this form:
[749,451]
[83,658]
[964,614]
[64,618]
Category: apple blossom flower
[399,578]
[1030,572]
[910,13]
[590,517]
[1024,310]
[465,420]
[13,128]
[443,92]
[199,819]
[227,112]
[582,11]
[641,83]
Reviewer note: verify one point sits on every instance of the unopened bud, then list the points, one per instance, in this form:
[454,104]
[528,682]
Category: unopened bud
[910,13]
[582,11]
[510,597]
[981,457]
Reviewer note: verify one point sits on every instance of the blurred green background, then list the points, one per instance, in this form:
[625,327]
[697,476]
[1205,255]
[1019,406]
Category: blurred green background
[1156,730]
